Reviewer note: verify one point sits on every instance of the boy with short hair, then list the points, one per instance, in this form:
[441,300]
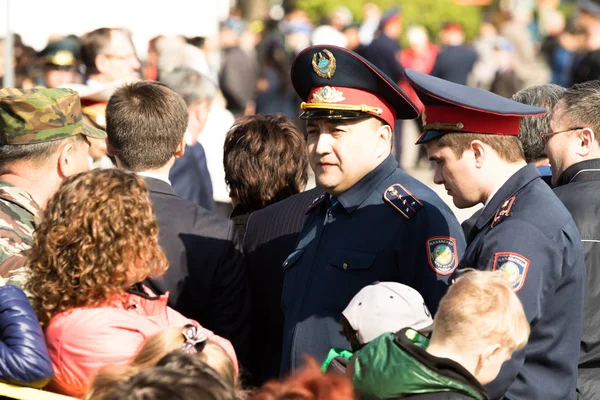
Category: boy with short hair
[479,324]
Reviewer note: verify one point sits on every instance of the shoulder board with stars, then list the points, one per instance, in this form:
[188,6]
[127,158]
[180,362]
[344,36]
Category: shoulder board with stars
[402,200]
[503,212]
[315,202]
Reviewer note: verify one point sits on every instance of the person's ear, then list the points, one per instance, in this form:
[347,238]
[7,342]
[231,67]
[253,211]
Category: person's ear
[385,135]
[110,150]
[180,149]
[67,159]
[586,141]
[479,152]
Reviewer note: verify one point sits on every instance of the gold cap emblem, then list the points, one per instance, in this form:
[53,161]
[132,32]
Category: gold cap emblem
[327,94]
[324,65]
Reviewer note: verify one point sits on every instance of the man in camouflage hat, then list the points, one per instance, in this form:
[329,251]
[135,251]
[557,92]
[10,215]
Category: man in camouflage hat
[42,141]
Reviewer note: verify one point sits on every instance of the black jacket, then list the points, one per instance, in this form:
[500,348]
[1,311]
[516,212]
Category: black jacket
[206,275]
[578,188]
[271,235]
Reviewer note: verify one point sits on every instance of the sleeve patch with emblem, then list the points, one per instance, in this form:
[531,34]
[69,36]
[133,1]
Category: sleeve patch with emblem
[503,212]
[402,200]
[514,268]
[442,254]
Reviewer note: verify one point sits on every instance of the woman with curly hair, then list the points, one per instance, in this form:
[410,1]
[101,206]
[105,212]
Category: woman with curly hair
[98,239]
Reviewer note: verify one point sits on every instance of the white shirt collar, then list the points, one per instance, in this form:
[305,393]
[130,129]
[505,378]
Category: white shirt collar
[155,176]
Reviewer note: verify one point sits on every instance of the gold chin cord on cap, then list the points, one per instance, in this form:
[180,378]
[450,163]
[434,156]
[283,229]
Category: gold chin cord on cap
[344,107]
[437,126]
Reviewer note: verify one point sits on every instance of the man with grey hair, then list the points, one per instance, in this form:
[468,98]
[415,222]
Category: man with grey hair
[190,176]
[532,128]
[574,151]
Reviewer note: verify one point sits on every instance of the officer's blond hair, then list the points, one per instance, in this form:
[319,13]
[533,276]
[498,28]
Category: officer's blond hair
[481,307]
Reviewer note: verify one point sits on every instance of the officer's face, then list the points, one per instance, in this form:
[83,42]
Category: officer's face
[341,153]
[454,173]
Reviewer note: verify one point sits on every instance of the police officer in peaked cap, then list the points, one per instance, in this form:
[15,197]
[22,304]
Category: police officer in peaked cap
[375,222]
[524,230]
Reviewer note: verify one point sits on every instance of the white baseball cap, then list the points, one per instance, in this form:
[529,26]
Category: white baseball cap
[384,307]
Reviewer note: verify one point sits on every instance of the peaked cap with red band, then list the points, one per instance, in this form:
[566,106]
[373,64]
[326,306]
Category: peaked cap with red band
[454,108]
[335,83]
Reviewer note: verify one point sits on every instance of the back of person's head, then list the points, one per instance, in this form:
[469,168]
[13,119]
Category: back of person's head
[265,160]
[190,84]
[479,308]
[308,384]
[181,349]
[145,124]
[183,339]
[36,127]
[383,307]
[532,128]
[161,383]
[176,54]
[98,236]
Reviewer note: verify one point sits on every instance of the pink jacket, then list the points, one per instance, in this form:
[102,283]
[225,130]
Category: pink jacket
[83,340]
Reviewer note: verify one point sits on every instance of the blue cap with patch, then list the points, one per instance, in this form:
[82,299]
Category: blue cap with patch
[336,83]
[454,108]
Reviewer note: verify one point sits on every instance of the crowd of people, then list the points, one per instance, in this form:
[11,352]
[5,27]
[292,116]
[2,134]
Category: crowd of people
[160,237]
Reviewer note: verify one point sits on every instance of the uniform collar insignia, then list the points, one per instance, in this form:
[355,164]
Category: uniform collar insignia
[315,202]
[503,212]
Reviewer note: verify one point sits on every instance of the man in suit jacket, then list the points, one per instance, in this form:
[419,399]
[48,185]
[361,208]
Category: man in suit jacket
[271,235]
[206,278]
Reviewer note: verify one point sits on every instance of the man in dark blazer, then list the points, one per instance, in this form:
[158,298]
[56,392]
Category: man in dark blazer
[206,277]
[271,235]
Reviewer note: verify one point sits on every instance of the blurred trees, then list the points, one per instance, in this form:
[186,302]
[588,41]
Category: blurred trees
[430,13]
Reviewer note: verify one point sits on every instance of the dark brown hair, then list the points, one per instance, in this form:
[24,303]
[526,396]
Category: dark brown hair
[509,148]
[308,384]
[145,122]
[98,237]
[265,160]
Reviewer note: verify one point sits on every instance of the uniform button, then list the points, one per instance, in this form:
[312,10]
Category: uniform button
[345,266]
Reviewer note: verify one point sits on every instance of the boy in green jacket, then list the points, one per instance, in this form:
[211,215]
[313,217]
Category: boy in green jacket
[479,324]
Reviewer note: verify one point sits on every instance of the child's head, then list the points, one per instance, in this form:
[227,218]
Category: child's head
[381,308]
[161,348]
[481,316]
[190,340]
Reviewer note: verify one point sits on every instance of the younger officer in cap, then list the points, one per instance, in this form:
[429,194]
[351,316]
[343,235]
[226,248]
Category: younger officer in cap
[375,223]
[523,231]
[42,141]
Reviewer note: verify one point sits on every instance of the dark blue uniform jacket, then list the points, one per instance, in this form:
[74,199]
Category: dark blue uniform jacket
[526,232]
[361,240]
[383,52]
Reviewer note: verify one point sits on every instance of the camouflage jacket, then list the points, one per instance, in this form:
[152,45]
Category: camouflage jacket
[18,215]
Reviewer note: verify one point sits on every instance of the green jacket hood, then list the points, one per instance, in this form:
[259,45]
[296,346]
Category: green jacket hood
[396,364]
